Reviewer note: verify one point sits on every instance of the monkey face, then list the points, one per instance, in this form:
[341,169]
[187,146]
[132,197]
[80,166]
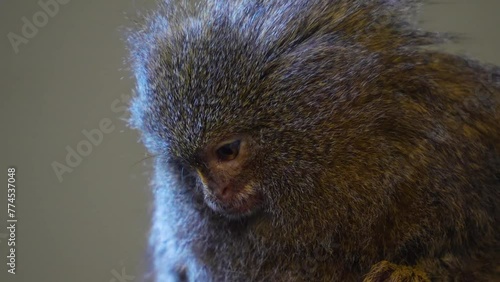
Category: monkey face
[225,187]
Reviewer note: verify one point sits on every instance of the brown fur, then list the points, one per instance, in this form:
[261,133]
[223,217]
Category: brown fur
[377,159]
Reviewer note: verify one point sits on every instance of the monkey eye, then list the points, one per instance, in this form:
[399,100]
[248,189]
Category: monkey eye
[229,151]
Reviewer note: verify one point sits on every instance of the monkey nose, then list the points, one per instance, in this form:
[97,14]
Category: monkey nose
[223,193]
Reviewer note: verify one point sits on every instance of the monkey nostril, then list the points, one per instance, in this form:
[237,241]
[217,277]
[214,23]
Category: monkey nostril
[224,191]
[229,151]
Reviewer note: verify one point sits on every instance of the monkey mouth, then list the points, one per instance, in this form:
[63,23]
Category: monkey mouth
[240,204]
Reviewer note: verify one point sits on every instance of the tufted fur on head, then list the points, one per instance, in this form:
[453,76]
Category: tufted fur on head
[377,159]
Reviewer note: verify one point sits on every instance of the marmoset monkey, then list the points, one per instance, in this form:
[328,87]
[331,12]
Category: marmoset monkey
[315,140]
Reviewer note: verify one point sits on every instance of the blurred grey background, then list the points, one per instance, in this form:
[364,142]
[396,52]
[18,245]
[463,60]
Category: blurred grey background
[64,86]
